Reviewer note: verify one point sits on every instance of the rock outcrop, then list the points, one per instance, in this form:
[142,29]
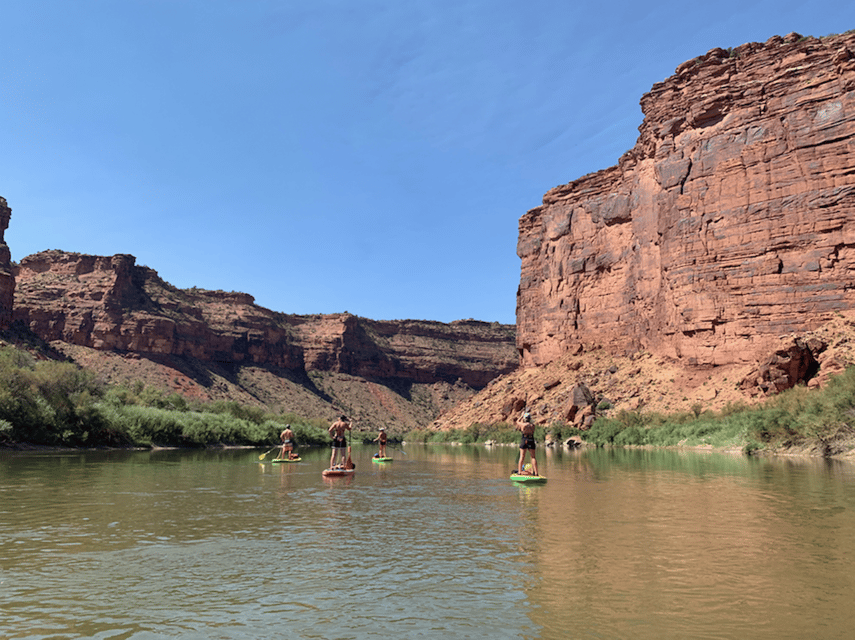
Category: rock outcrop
[110,305]
[730,223]
[7,280]
[714,265]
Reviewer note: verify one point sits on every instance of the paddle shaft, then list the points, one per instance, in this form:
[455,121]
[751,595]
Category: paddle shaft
[349,463]
[264,455]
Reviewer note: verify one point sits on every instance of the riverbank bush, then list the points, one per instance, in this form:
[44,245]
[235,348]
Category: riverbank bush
[798,417]
[821,420]
[60,404]
[502,433]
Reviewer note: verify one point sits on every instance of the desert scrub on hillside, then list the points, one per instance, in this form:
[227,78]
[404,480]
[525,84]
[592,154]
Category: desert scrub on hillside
[821,419]
[60,404]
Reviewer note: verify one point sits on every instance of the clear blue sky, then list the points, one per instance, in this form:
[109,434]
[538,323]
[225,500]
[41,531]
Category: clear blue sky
[370,156]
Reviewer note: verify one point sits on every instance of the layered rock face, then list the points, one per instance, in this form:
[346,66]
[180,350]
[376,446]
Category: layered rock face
[729,224]
[111,304]
[7,280]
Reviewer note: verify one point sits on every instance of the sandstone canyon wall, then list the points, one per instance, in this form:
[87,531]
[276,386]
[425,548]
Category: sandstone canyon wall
[110,304]
[731,222]
[7,280]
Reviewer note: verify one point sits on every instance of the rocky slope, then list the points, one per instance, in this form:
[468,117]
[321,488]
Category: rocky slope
[714,263]
[7,280]
[125,322]
[572,388]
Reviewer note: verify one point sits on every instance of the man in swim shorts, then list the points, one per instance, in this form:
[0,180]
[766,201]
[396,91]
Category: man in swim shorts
[289,445]
[339,443]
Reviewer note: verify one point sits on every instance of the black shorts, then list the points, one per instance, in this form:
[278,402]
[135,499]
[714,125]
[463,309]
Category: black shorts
[339,443]
[527,443]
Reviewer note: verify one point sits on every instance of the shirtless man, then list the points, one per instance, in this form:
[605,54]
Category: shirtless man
[339,443]
[382,440]
[525,425]
[288,444]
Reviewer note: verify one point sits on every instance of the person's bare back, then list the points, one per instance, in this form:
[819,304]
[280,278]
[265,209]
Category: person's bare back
[339,443]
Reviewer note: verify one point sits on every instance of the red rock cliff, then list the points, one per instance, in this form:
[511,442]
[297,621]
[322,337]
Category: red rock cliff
[111,304]
[7,280]
[731,222]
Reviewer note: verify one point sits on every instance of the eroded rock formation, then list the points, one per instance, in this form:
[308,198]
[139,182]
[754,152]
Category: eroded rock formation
[714,264]
[111,304]
[729,224]
[7,280]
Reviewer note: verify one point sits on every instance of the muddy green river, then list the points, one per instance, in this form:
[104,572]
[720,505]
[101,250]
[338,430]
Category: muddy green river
[436,544]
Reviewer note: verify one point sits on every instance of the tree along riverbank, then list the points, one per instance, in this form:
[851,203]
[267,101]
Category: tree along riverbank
[59,404]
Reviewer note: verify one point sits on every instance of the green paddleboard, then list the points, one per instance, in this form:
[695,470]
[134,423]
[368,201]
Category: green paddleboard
[277,460]
[528,479]
[378,459]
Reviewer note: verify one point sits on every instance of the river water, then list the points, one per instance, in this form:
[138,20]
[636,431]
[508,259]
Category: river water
[437,544]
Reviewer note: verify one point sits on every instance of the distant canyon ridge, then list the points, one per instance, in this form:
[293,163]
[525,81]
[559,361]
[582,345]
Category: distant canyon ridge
[123,321]
[714,264]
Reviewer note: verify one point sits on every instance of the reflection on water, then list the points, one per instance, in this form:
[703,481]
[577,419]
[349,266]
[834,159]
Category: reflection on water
[618,544]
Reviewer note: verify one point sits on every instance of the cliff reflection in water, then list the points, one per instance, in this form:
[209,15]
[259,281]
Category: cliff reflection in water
[654,544]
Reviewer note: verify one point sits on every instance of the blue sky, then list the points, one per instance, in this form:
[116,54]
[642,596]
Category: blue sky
[370,156]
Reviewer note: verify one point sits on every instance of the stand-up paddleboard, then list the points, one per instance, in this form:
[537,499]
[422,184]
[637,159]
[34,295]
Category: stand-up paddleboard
[278,460]
[527,478]
[379,459]
[327,473]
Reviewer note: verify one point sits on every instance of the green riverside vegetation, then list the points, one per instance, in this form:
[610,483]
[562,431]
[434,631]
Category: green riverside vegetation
[798,418]
[47,402]
[53,403]
[820,420]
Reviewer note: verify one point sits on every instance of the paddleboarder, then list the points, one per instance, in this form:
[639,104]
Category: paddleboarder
[289,444]
[525,425]
[339,443]
[382,440]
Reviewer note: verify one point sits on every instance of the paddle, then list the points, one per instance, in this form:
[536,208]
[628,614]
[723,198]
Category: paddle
[397,449]
[264,455]
[349,464]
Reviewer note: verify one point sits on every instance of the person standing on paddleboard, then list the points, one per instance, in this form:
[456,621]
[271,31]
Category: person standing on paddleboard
[525,425]
[339,443]
[289,445]
[382,440]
